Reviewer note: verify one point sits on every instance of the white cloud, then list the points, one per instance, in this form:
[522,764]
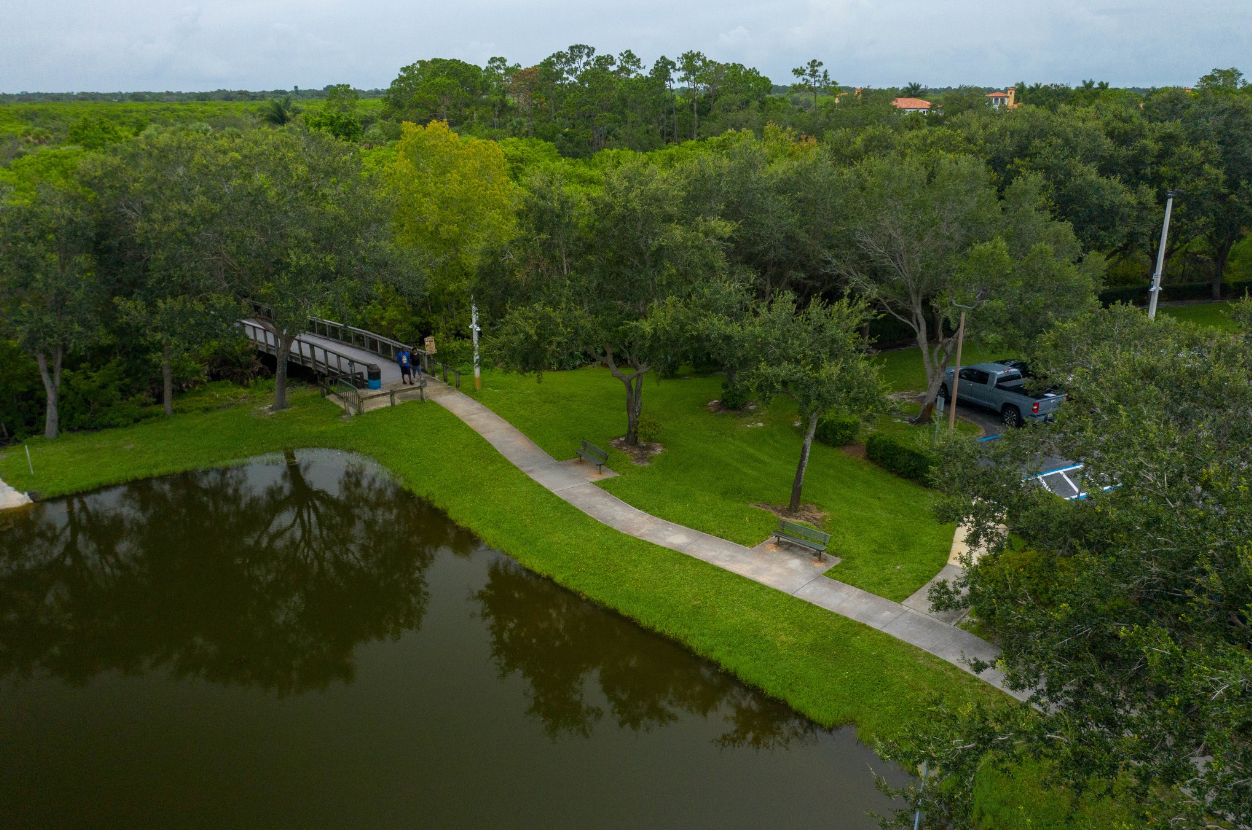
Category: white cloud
[265,44]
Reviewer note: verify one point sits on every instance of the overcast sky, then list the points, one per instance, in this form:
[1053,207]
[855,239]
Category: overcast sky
[107,45]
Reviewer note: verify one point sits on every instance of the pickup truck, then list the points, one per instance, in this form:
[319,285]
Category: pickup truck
[1001,389]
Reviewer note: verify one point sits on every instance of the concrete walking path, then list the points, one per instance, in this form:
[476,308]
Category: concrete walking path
[793,572]
[10,498]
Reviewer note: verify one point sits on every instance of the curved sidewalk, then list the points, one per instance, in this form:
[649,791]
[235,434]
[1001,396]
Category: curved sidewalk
[795,574]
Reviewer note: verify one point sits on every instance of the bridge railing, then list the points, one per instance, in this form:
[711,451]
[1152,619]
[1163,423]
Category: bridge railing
[330,363]
[380,345]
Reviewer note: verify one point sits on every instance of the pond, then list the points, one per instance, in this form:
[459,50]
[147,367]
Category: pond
[299,642]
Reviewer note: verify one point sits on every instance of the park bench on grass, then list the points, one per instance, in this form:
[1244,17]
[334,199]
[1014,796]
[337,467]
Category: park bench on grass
[802,535]
[594,454]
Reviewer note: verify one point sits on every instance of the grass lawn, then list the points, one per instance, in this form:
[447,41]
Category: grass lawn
[829,668]
[717,465]
[902,369]
[1212,315]
[832,669]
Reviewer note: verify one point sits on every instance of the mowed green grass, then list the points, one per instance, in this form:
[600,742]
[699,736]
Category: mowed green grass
[715,466]
[902,370]
[831,669]
[1211,315]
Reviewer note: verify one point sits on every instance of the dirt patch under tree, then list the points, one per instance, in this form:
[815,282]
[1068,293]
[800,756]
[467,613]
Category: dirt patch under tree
[808,513]
[641,454]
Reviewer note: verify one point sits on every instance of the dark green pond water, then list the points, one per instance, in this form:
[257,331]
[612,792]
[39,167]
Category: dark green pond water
[298,642]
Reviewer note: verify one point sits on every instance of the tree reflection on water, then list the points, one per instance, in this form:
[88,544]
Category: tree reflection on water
[565,648]
[239,576]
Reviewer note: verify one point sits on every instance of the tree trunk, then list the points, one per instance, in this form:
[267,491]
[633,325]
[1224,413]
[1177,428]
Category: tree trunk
[52,388]
[167,382]
[695,118]
[1222,251]
[634,393]
[280,372]
[797,486]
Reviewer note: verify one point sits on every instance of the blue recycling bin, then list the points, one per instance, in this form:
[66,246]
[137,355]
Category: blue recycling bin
[373,377]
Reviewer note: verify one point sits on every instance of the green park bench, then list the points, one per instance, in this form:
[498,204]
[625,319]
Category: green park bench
[594,454]
[802,535]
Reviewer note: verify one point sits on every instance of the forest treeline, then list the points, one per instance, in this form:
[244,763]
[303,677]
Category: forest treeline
[508,163]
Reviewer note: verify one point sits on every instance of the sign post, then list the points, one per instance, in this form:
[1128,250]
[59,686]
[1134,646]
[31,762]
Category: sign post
[478,381]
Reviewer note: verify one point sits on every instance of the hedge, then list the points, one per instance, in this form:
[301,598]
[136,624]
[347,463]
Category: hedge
[908,461]
[838,430]
[1173,293]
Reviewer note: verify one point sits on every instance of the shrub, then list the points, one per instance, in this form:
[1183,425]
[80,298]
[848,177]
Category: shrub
[647,429]
[838,429]
[734,395]
[911,462]
[101,398]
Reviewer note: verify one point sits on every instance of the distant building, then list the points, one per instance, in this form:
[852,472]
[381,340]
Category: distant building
[1003,100]
[912,105]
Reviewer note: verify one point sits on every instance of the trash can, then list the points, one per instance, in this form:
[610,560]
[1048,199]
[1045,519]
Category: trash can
[374,376]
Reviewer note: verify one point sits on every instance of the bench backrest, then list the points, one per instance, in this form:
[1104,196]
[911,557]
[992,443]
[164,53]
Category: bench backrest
[596,451]
[803,531]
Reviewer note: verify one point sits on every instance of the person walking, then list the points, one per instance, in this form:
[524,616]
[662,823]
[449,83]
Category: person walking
[406,366]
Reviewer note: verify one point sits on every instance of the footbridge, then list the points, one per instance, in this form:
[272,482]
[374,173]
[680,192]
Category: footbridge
[346,358]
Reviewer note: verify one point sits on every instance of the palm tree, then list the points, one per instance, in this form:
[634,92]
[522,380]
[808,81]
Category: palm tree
[279,111]
[913,90]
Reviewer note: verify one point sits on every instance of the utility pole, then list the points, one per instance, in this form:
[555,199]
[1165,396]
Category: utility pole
[956,373]
[478,381]
[1155,291]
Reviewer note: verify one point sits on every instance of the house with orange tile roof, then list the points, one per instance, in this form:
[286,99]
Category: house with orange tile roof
[1006,100]
[912,105]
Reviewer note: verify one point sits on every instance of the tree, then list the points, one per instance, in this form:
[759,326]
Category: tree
[443,89]
[159,203]
[964,99]
[635,251]
[299,231]
[453,201]
[1226,80]
[812,79]
[338,115]
[916,246]
[1224,123]
[814,355]
[694,68]
[911,90]
[1124,615]
[48,289]
[279,111]
[663,72]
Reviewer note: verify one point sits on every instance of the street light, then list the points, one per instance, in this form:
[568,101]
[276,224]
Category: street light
[1155,291]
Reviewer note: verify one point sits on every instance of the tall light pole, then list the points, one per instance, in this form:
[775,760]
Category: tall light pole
[1155,291]
[478,381]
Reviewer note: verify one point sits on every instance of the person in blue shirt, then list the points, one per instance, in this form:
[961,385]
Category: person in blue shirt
[406,366]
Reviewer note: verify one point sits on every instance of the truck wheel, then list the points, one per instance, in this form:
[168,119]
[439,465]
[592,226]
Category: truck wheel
[944,393]
[1011,417]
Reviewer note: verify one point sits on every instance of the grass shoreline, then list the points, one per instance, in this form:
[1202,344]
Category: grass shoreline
[830,669]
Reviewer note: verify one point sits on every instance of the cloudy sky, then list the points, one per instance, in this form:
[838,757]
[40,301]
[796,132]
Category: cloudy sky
[106,45]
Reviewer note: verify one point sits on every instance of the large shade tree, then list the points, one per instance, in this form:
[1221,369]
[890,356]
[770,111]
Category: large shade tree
[158,201]
[918,231]
[816,356]
[1126,614]
[623,251]
[453,201]
[50,298]
[301,231]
